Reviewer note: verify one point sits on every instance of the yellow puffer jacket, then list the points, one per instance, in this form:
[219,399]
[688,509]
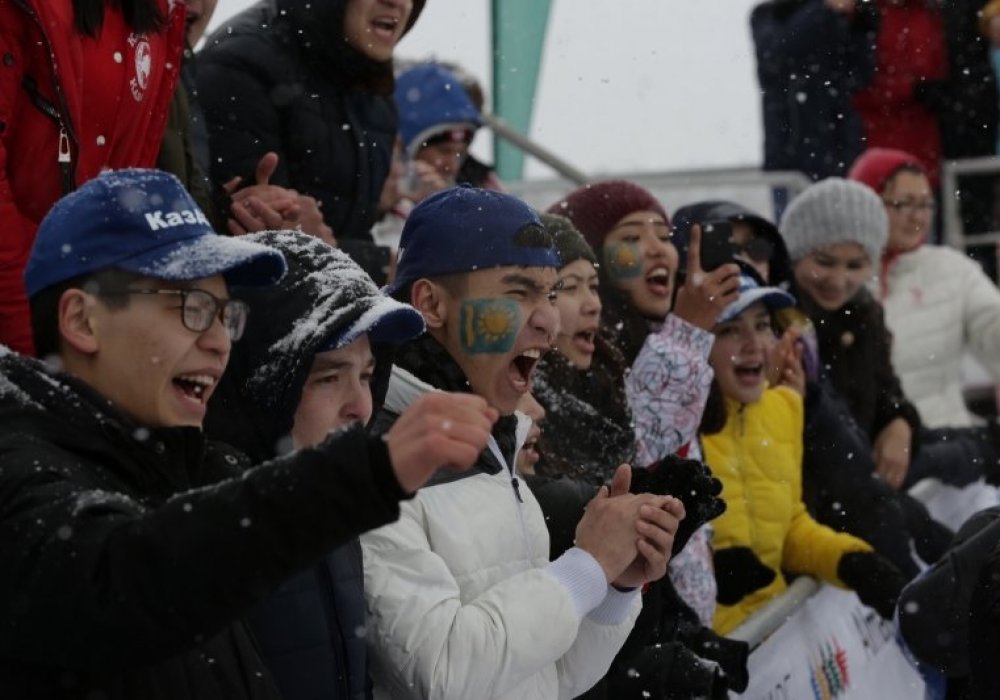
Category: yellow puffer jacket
[758,458]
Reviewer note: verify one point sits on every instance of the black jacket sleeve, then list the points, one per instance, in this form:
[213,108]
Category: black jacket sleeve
[890,402]
[934,609]
[96,581]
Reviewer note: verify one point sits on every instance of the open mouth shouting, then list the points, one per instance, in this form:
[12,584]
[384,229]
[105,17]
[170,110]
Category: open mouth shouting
[584,340]
[386,28]
[521,368]
[194,389]
[749,374]
[658,281]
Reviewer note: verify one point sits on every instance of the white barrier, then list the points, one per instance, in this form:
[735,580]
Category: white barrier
[832,647]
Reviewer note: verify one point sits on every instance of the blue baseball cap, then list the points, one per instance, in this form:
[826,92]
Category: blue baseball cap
[432,101]
[141,221]
[464,229]
[751,292]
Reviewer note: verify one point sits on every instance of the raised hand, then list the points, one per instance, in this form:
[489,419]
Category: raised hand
[438,430]
[704,295]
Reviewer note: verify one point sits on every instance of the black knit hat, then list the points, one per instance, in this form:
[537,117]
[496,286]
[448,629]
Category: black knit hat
[570,243]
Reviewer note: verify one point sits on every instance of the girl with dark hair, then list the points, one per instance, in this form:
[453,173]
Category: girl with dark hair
[665,346]
[85,86]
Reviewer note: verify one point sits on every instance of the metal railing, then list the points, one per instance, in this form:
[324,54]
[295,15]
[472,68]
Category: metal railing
[767,619]
[749,186]
[954,233]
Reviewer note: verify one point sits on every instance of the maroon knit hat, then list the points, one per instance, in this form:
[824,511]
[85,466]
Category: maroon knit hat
[595,208]
[876,166]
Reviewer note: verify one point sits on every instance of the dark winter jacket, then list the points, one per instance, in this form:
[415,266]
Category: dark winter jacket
[967,103]
[130,555]
[809,61]
[184,149]
[838,483]
[588,403]
[935,610]
[278,77]
[308,630]
[854,348]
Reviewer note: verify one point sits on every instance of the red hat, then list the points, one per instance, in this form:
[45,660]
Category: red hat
[595,208]
[876,166]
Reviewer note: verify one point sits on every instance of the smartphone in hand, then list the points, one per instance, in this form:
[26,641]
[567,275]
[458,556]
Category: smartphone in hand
[717,247]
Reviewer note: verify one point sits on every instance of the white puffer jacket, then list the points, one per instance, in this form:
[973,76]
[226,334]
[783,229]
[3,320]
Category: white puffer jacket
[939,304]
[463,602]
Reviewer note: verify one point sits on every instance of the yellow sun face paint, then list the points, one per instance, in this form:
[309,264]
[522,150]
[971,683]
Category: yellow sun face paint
[622,260]
[489,325]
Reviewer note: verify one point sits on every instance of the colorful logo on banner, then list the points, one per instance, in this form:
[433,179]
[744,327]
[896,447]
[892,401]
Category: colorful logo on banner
[828,672]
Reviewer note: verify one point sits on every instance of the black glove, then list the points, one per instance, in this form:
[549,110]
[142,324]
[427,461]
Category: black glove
[668,670]
[730,654]
[738,572]
[691,482]
[874,578]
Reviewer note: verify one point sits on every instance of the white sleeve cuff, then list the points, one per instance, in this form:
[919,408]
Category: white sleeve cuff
[583,577]
[616,606]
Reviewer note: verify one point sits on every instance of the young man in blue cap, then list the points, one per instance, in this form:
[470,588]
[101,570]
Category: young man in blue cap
[463,600]
[132,547]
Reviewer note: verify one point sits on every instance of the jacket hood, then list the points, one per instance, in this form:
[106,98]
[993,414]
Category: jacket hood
[431,100]
[316,27]
[719,209]
[325,296]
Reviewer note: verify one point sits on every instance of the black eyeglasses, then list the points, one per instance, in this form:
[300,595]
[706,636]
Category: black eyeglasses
[199,309]
[757,249]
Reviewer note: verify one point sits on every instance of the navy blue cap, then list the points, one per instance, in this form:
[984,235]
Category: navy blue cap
[751,292]
[141,221]
[464,229]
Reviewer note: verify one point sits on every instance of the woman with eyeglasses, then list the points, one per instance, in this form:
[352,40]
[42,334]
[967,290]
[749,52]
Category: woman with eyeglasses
[939,304]
[836,231]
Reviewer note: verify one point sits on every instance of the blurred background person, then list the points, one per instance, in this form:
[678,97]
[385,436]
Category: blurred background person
[312,82]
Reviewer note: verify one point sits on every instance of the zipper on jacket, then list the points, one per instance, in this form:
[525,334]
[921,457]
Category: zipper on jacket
[516,484]
[60,114]
[65,159]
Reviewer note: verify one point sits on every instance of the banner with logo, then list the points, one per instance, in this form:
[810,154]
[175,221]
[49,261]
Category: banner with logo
[832,648]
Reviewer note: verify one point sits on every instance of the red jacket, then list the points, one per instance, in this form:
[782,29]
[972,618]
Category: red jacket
[97,103]
[911,46]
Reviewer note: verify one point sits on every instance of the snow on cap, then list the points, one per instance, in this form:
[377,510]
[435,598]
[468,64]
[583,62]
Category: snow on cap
[142,221]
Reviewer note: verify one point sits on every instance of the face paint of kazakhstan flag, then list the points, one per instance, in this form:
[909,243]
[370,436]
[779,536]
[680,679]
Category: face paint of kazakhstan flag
[489,325]
[622,260]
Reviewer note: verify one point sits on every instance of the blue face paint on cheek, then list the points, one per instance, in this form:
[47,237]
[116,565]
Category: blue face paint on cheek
[489,325]
[622,260]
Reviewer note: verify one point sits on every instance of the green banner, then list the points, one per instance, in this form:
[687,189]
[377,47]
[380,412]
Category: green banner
[518,28]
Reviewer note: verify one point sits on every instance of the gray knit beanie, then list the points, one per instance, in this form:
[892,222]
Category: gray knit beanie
[834,211]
